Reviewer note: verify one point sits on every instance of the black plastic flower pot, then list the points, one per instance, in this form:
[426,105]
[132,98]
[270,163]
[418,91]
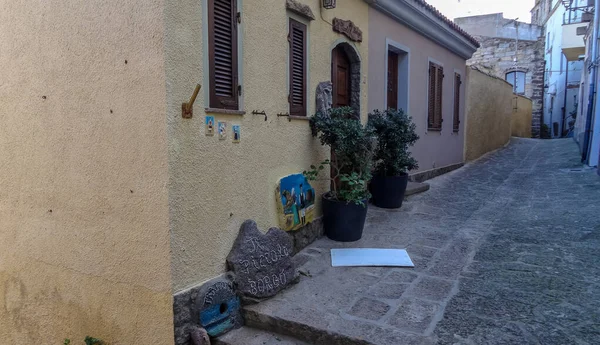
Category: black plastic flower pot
[388,191]
[343,222]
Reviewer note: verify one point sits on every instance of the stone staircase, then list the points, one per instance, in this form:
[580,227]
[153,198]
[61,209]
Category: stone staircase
[300,332]
[252,336]
[263,329]
[314,312]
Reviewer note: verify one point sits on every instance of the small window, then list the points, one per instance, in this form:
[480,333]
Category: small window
[457,84]
[517,80]
[436,77]
[297,92]
[223,57]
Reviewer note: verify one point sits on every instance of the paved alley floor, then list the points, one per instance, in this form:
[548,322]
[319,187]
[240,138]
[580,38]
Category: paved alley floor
[507,251]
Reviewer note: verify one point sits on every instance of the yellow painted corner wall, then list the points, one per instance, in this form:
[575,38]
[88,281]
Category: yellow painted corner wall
[215,185]
[84,239]
[489,111]
[521,117]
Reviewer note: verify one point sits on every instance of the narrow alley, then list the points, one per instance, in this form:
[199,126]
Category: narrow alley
[506,252]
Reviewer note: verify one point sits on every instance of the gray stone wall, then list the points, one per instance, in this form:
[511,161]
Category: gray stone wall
[495,25]
[496,56]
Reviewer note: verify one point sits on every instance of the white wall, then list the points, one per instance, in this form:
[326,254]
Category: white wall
[556,73]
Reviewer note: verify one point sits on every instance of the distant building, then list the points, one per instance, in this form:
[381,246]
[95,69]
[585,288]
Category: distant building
[586,120]
[513,51]
[562,53]
[541,11]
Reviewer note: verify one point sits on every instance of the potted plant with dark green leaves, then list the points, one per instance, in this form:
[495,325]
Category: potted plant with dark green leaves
[352,146]
[392,159]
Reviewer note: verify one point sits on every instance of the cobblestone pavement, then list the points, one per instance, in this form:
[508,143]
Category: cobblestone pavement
[507,251]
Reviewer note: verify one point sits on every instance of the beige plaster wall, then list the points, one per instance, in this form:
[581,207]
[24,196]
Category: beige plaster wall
[489,112]
[215,185]
[520,122]
[84,245]
[433,149]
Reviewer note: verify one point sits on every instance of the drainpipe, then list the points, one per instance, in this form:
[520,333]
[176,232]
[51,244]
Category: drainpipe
[564,113]
[592,96]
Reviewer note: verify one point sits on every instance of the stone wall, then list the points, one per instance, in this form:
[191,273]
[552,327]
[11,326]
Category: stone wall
[520,123]
[495,25]
[496,56]
[488,114]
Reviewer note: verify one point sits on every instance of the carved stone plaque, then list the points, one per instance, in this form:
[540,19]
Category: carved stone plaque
[348,29]
[324,97]
[262,263]
[219,306]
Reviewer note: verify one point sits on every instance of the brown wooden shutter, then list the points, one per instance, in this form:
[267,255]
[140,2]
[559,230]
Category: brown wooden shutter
[435,102]
[297,95]
[438,98]
[457,83]
[223,59]
[431,96]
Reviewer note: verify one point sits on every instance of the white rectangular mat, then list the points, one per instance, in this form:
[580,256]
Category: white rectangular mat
[370,257]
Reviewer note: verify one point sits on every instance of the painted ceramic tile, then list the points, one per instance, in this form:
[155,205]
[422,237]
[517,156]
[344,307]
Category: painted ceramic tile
[210,125]
[236,133]
[222,130]
[295,202]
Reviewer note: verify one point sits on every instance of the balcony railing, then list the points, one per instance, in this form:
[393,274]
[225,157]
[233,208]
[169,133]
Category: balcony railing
[575,15]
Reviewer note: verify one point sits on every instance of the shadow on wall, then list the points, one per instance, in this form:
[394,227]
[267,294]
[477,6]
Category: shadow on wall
[493,114]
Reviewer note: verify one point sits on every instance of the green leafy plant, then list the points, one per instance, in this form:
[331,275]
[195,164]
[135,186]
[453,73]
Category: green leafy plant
[545,131]
[352,146]
[88,341]
[395,134]
[92,341]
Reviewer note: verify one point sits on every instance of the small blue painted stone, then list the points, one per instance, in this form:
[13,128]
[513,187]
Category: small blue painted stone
[219,307]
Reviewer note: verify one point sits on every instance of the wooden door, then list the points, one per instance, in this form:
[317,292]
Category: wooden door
[392,80]
[340,77]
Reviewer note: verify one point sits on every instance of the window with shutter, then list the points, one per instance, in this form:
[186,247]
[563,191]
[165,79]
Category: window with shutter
[297,42]
[223,59]
[431,97]
[457,83]
[436,77]
[438,98]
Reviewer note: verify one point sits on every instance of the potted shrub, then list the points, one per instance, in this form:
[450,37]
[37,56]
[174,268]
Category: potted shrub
[392,160]
[352,145]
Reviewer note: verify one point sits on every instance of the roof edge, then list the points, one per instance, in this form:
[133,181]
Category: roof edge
[425,19]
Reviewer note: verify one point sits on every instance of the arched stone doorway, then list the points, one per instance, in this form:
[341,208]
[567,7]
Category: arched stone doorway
[345,77]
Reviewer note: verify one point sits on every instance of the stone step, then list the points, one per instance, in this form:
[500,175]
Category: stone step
[416,187]
[309,332]
[253,336]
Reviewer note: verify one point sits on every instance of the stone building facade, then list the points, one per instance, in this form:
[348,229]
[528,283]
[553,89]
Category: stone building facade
[513,51]
[496,56]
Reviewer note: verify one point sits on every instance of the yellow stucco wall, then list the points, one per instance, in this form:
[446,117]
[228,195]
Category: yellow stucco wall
[489,112]
[84,239]
[215,185]
[521,117]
